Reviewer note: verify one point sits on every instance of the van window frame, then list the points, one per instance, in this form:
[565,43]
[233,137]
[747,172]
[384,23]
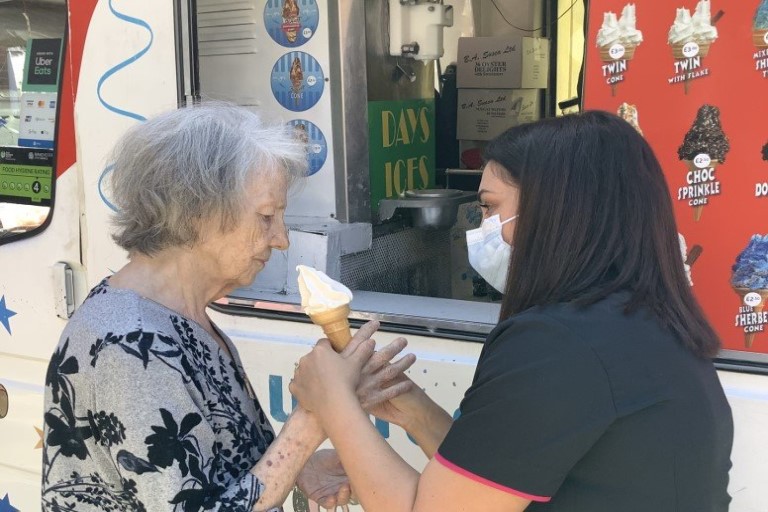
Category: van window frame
[16,237]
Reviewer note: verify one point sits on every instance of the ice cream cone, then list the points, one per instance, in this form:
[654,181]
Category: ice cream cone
[759,37]
[749,337]
[335,324]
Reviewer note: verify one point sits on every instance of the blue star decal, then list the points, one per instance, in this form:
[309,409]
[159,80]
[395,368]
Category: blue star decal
[5,315]
[5,503]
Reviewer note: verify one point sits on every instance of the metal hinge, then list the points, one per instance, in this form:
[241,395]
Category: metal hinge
[63,290]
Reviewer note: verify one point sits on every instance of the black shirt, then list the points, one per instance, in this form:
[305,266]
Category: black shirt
[592,410]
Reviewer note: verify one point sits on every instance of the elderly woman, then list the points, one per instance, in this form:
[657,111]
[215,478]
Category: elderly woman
[147,404]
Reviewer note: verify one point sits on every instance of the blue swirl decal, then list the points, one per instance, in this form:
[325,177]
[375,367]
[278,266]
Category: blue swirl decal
[125,63]
[108,74]
[101,189]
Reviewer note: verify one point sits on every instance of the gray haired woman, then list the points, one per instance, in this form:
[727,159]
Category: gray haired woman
[147,405]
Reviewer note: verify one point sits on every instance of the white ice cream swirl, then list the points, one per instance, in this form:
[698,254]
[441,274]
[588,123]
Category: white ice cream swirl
[622,30]
[693,28]
[628,26]
[703,31]
[319,292]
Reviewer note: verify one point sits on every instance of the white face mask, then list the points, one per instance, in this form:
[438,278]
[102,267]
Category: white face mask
[488,252]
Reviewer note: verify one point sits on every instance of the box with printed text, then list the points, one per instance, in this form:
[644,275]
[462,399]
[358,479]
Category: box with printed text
[510,62]
[485,113]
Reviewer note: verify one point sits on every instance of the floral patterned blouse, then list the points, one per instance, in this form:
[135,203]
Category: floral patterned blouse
[145,412]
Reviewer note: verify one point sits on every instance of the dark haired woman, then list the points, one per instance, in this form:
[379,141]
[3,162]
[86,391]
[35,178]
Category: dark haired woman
[595,392]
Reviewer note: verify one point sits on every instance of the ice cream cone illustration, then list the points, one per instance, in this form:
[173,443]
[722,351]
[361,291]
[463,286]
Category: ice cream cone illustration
[750,278]
[618,38]
[291,21]
[297,78]
[326,302]
[688,29]
[705,145]
[296,75]
[629,113]
[760,26]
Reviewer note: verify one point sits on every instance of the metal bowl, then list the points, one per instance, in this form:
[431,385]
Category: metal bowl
[432,193]
[428,208]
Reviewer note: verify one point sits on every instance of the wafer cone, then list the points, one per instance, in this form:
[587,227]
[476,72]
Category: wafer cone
[629,51]
[697,211]
[749,337]
[335,324]
[677,50]
[759,37]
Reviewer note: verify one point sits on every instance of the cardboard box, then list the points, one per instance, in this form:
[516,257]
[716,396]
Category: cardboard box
[485,113]
[511,62]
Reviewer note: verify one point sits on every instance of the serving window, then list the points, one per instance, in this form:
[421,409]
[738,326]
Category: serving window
[394,143]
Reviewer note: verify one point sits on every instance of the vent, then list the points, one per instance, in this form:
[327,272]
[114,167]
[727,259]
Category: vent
[226,27]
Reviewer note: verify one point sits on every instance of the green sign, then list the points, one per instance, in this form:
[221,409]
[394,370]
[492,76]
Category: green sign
[26,175]
[402,147]
[41,67]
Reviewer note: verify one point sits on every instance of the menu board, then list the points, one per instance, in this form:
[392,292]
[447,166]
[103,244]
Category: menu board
[692,77]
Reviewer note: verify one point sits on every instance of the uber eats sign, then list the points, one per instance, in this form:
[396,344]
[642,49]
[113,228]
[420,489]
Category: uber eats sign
[402,147]
[42,65]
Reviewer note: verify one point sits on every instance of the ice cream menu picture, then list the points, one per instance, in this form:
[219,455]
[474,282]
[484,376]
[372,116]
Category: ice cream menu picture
[692,76]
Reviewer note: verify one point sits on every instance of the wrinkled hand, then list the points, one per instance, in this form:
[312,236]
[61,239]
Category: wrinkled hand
[381,382]
[324,481]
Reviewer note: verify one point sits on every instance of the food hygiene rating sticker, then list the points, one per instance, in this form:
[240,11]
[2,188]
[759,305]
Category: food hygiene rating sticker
[297,81]
[291,23]
[314,143]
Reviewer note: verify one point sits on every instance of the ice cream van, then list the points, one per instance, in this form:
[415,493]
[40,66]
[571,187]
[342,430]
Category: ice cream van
[392,98]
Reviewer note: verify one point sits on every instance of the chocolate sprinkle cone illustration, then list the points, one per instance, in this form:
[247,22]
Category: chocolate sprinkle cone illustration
[706,137]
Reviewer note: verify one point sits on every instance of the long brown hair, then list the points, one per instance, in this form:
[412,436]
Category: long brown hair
[595,218]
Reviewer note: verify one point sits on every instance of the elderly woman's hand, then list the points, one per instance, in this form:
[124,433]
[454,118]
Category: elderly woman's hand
[324,481]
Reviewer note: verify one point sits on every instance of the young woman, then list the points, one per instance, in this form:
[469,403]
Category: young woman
[595,392]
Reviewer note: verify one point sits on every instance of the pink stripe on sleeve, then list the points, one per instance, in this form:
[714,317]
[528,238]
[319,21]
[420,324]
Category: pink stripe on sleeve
[463,472]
